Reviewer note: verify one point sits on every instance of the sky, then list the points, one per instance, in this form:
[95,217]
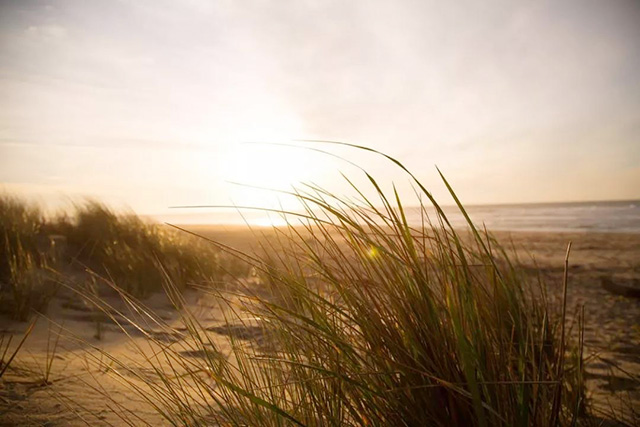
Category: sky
[151,103]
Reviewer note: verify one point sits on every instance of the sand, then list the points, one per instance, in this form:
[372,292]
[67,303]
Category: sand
[75,391]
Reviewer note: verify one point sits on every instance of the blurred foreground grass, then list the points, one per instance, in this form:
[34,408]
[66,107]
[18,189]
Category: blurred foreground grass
[39,253]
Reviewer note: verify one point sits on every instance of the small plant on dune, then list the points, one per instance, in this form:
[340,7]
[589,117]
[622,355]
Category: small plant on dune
[7,355]
[373,321]
[29,286]
[53,340]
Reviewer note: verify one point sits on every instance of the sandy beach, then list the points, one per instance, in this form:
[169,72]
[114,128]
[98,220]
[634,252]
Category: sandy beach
[75,391]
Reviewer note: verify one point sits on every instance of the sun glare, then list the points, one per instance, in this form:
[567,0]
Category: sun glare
[253,170]
[266,165]
[264,159]
[268,221]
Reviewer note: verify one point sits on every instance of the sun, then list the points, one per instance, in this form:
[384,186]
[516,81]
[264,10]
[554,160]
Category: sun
[260,170]
[267,165]
[252,156]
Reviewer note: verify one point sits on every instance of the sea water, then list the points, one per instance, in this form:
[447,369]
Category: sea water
[610,217]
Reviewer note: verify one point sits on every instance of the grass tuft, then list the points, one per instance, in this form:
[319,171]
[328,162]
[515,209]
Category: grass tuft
[361,318]
[36,253]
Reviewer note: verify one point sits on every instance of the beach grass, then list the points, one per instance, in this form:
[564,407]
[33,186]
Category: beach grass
[39,253]
[128,251]
[357,317]
[24,275]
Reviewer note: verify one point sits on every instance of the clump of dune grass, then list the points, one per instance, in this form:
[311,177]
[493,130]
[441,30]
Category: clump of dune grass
[363,319]
[21,223]
[25,279]
[38,252]
[128,251]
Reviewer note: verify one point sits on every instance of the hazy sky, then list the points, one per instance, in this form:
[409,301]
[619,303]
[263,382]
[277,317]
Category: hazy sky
[146,102]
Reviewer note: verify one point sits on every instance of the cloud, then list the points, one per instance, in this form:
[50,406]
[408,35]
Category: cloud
[46,33]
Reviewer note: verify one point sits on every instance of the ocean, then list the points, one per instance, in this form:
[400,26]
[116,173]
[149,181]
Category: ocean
[607,217]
